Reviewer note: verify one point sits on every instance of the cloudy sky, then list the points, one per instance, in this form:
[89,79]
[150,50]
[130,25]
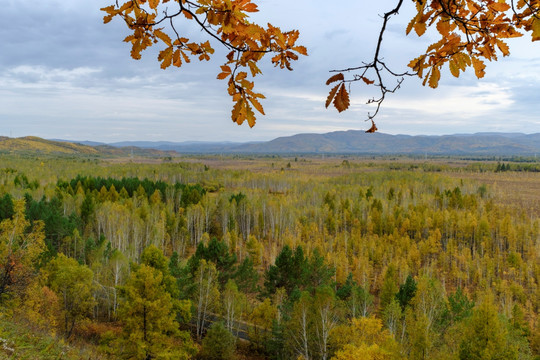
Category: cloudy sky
[64,74]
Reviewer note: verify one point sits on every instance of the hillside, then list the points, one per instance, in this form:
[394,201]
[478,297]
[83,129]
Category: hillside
[36,144]
[33,145]
[361,143]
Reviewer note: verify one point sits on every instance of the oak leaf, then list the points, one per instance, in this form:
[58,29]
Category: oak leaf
[177,58]
[420,28]
[535,27]
[302,50]
[373,128]
[367,81]
[331,95]
[453,66]
[443,26]
[250,116]
[499,6]
[410,25]
[341,100]
[236,112]
[165,56]
[257,105]
[503,47]
[435,77]
[225,72]
[163,37]
[153,3]
[479,67]
[334,78]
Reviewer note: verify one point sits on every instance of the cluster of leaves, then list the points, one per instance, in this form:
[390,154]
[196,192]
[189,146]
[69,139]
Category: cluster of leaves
[224,21]
[471,32]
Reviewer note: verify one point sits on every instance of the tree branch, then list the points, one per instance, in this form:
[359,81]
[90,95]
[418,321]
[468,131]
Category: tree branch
[378,66]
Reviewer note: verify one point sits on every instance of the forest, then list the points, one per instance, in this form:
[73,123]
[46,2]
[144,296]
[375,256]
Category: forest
[228,257]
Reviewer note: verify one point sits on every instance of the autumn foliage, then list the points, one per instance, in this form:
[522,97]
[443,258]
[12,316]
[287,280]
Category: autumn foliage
[470,33]
[324,259]
[156,22]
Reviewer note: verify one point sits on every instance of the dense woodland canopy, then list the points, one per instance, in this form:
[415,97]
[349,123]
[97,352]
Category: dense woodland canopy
[269,258]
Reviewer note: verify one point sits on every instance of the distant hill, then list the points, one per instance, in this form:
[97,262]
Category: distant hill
[33,144]
[358,142]
[190,147]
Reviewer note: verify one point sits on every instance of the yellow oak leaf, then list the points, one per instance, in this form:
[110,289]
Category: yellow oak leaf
[435,77]
[165,56]
[499,6]
[479,67]
[454,68]
[503,47]
[256,104]
[443,26]
[237,110]
[420,28]
[163,37]
[301,50]
[535,27]
[153,4]
[410,25]
[177,58]
[250,115]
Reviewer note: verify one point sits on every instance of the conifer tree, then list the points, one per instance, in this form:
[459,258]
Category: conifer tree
[147,313]
[485,336]
[218,344]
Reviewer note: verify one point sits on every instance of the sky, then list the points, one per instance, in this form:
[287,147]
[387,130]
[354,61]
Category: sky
[66,75]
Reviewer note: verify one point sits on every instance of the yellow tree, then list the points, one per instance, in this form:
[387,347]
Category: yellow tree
[41,306]
[325,319]
[363,351]
[234,303]
[19,249]
[73,284]
[206,296]
[363,338]
[261,318]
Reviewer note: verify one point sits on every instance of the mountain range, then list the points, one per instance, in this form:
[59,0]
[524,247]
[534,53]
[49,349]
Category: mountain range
[339,142]
[359,142]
